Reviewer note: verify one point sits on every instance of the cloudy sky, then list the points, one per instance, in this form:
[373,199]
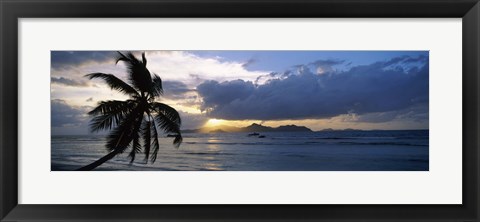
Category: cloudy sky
[317,89]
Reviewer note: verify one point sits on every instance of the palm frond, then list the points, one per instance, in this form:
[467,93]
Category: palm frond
[109,113]
[177,140]
[169,120]
[168,111]
[121,57]
[139,75]
[110,106]
[157,88]
[144,60]
[136,146]
[155,144]
[119,138]
[123,134]
[146,134]
[114,83]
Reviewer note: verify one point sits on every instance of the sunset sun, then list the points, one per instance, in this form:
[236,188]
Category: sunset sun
[214,122]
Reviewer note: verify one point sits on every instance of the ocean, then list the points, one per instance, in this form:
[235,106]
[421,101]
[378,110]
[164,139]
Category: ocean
[392,150]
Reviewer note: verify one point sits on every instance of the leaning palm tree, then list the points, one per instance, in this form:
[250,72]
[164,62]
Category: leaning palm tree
[136,118]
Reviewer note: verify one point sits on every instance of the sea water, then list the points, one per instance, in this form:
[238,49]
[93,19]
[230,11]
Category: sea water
[403,150]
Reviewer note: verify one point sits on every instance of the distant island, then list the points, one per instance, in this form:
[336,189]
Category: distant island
[248,129]
[258,128]
[330,129]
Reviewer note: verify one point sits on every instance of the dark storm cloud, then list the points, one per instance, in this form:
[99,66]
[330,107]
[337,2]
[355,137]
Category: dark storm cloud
[380,87]
[224,95]
[67,81]
[61,59]
[66,115]
[175,89]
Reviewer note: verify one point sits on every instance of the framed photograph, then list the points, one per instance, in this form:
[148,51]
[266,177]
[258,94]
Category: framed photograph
[224,110]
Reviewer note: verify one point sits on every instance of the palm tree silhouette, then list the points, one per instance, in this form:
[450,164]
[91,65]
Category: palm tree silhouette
[136,118]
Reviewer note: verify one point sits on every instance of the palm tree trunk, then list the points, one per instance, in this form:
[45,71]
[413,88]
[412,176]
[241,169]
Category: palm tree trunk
[99,161]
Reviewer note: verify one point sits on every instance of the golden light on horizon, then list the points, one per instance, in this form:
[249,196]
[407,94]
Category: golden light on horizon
[214,122]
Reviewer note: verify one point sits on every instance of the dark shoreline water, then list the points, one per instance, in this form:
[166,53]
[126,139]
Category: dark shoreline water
[404,150]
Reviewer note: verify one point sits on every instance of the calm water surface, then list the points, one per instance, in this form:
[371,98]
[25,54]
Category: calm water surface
[287,151]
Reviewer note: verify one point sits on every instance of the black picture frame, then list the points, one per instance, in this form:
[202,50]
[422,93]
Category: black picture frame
[11,11]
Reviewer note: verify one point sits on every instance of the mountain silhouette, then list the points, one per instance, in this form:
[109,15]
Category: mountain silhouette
[248,129]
